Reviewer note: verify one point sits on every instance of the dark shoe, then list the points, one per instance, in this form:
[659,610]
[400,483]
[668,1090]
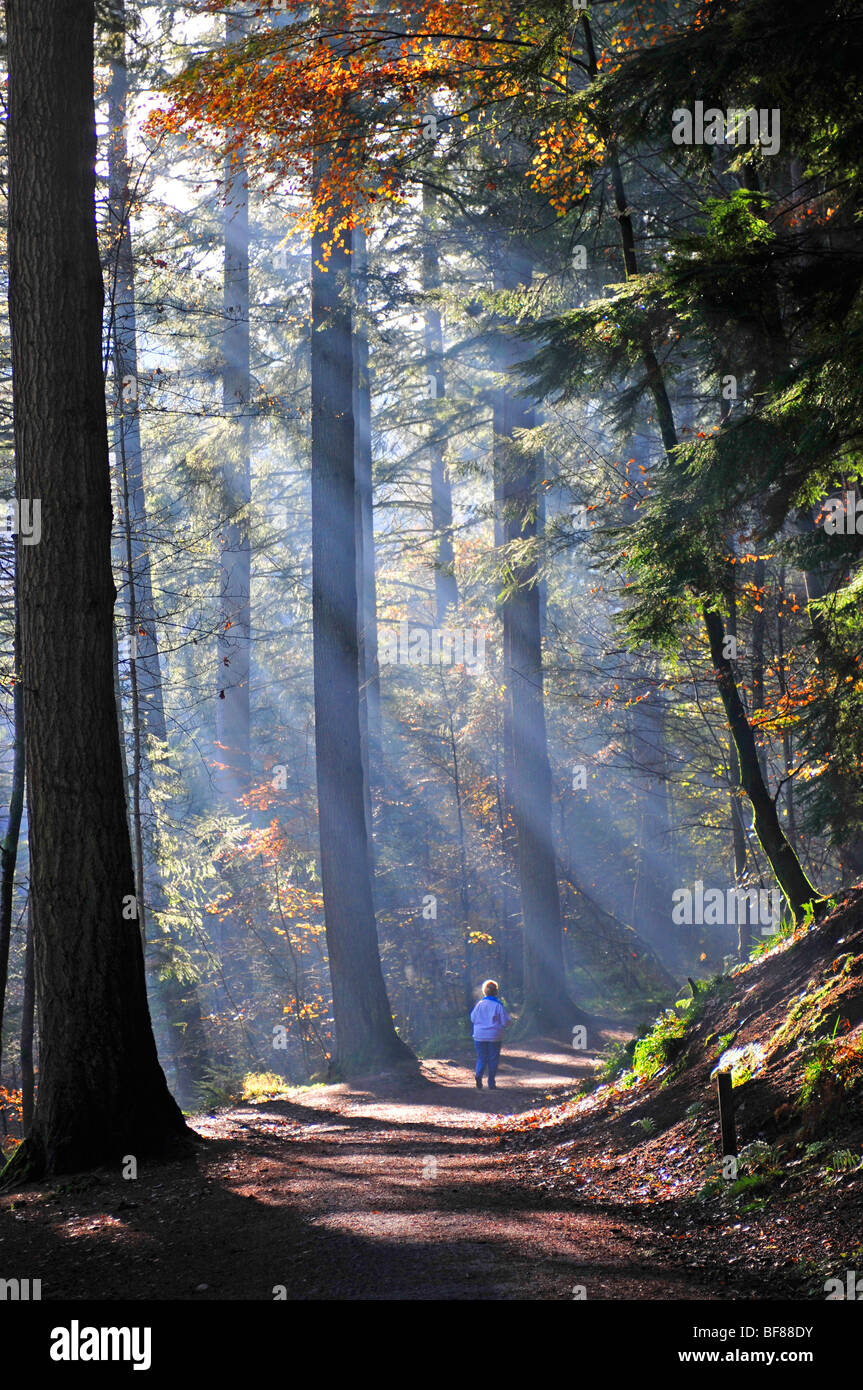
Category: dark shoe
[478,1080]
[492,1085]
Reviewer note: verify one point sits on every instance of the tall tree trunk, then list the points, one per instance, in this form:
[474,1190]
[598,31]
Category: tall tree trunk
[365,1036]
[145,674]
[504,356]
[546,1001]
[783,861]
[505,774]
[369,674]
[512,952]
[780,853]
[102,1093]
[446,586]
[181,1001]
[124,340]
[234,643]
[464,884]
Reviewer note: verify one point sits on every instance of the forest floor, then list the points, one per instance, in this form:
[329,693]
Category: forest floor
[395,1191]
[431,1189]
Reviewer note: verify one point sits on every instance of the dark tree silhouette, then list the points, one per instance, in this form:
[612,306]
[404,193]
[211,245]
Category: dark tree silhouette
[365,1035]
[102,1093]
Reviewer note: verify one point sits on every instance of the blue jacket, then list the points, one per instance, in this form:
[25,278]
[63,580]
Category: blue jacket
[489,1018]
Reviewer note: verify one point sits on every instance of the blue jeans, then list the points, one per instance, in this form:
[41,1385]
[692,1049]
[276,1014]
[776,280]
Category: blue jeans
[487,1055]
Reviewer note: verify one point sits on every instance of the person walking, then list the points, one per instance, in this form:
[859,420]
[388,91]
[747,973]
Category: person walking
[489,1018]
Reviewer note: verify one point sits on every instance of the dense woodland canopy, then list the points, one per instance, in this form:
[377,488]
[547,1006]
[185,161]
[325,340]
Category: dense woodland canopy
[477,467]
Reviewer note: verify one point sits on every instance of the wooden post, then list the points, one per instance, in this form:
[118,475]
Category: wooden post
[726,1113]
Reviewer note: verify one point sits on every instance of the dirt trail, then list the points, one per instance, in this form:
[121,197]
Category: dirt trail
[345,1193]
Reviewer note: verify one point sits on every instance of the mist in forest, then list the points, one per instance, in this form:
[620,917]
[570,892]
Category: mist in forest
[521,756]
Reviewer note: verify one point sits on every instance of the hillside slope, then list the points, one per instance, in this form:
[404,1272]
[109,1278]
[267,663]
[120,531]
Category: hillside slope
[789,1027]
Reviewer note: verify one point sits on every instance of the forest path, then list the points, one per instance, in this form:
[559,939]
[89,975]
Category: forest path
[335,1192]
